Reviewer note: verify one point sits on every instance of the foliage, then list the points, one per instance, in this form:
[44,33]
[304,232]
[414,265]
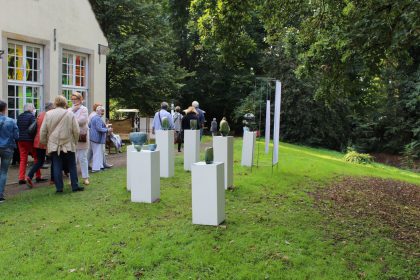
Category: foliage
[411,154]
[353,156]
[142,68]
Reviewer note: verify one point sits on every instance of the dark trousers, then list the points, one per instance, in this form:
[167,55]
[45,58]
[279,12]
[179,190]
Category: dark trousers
[58,161]
[40,154]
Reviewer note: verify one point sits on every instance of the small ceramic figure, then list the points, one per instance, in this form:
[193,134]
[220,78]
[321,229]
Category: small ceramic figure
[224,127]
[208,155]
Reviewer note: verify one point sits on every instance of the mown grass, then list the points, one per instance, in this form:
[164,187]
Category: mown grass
[272,229]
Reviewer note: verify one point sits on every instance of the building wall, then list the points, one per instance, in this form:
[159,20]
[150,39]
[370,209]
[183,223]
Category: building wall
[34,21]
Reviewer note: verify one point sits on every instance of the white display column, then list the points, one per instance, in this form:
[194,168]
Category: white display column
[223,152]
[208,193]
[145,178]
[165,144]
[248,146]
[191,147]
[130,166]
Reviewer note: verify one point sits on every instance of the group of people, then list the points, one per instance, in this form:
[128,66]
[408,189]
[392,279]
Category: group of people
[68,135]
[180,120]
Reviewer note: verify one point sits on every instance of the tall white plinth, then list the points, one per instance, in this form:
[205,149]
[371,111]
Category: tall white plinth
[191,147]
[223,152]
[130,166]
[145,177]
[248,146]
[165,144]
[208,193]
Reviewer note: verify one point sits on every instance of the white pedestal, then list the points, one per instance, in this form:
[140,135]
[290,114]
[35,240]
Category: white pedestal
[191,147]
[208,193]
[145,180]
[223,152]
[248,148]
[165,144]
[130,166]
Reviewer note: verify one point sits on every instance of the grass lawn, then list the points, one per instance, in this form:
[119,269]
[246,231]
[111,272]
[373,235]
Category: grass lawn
[273,229]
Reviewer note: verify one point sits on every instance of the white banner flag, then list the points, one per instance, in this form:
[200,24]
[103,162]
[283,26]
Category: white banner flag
[267,126]
[276,133]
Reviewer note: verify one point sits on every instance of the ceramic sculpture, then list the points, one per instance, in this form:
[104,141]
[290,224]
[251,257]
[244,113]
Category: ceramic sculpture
[193,124]
[224,127]
[138,138]
[165,123]
[208,155]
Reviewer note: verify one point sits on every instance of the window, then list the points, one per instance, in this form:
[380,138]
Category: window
[24,76]
[74,74]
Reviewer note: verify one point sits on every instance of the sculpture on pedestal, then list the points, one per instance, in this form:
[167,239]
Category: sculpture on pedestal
[193,124]
[165,123]
[138,139]
[208,155]
[224,127]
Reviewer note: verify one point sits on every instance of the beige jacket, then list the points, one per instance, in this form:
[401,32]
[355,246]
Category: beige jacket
[59,135]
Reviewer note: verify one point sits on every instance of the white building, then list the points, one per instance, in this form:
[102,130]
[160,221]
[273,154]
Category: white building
[50,47]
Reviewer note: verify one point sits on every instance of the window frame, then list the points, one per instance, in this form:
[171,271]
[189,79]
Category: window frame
[24,83]
[82,89]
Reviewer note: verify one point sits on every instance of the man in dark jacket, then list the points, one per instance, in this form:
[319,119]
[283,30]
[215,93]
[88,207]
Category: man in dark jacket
[26,142]
[8,135]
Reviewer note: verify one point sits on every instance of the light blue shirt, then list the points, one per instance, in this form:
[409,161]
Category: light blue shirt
[157,121]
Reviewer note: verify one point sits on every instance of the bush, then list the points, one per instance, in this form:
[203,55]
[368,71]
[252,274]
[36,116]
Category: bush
[411,154]
[355,157]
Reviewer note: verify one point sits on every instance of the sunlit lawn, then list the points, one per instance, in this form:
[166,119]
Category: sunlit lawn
[272,229]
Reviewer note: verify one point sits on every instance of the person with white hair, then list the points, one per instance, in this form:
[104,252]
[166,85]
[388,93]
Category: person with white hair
[26,142]
[157,120]
[97,133]
[201,118]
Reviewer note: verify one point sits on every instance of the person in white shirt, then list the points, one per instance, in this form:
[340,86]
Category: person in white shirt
[157,120]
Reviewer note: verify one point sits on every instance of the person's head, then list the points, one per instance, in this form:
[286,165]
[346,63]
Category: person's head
[3,107]
[100,110]
[48,106]
[224,118]
[28,107]
[190,109]
[164,105]
[60,101]
[195,104]
[214,119]
[95,106]
[177,109]
[76,98]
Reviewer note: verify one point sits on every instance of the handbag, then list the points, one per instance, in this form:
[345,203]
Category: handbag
[32,129]
[83,138]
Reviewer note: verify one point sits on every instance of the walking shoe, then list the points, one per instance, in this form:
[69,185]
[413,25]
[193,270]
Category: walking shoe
[86,181]
[79,189]
[59,191]
[39,180]
[108,165]
[22,182]
[2,199]
[29,183]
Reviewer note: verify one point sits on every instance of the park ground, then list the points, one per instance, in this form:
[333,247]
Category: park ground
[312,217]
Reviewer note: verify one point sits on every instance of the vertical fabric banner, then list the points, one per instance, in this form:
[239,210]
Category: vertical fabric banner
[267,126]
[276,132]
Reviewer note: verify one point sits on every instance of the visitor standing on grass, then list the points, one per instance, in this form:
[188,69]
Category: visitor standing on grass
[9,133]
[98,131]
[162,113]
[213,127]
[60,132]
[201,118]
[40,150]
[81,114]
[26,141]
[178,126]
